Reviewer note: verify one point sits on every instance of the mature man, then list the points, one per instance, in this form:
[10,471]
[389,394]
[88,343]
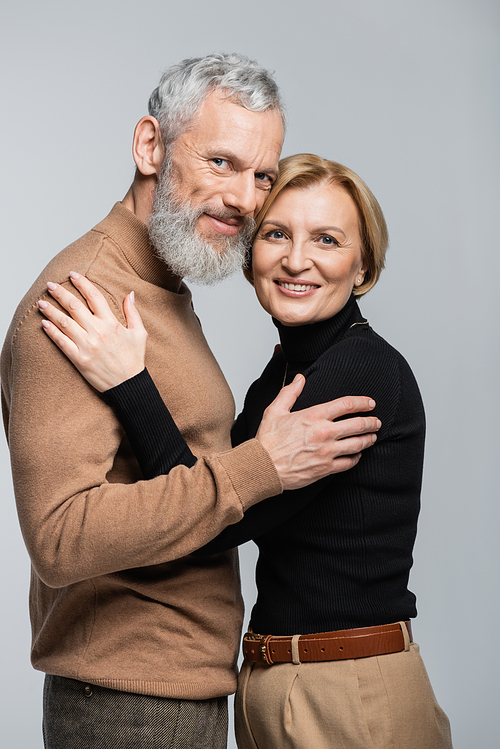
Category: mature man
[138,638]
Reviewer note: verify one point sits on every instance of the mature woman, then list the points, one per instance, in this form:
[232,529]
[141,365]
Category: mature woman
[334,663]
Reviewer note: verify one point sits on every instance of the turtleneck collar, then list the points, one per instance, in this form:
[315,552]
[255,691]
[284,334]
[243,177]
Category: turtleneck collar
[308,342]
[131,236]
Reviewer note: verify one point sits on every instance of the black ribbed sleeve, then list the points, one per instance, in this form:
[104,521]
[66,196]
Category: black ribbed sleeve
[153,434]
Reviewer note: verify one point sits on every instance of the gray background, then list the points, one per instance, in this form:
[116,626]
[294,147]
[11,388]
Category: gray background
[406,94]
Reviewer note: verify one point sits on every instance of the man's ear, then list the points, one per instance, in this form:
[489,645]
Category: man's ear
[147,148]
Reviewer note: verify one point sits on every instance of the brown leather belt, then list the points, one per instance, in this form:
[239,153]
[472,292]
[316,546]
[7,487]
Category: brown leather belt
[326,646]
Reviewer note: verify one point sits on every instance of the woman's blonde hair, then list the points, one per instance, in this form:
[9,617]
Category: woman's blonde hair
[305,169]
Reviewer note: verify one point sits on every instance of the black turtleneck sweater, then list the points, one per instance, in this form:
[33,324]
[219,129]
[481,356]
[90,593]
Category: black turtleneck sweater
[336,554]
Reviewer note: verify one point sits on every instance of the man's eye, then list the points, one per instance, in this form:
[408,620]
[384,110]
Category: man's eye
[219,162]
[261,177]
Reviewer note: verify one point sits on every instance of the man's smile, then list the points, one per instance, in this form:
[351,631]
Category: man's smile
[229,226]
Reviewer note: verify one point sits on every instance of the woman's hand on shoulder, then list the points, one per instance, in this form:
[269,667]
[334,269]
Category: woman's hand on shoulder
[104,351]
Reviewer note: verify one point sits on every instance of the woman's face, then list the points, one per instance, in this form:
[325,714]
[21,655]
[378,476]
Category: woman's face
[307,254]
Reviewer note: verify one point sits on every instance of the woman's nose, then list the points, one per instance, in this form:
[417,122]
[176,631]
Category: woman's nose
[296,259]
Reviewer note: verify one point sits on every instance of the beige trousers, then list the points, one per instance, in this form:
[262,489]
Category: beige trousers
[382,702]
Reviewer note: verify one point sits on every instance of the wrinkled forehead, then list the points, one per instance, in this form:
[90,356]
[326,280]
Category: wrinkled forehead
[223,109]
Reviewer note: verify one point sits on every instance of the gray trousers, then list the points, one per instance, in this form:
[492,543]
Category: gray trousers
[85,716]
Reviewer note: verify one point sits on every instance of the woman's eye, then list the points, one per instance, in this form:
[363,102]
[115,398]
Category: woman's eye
[275,234]
[327,241]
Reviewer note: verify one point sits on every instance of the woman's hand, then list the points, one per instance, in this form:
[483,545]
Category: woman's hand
[101,348]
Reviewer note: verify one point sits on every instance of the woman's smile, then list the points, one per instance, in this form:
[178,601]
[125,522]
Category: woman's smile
[295,288]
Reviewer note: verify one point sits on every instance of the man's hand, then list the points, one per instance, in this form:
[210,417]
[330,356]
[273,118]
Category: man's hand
[307,445]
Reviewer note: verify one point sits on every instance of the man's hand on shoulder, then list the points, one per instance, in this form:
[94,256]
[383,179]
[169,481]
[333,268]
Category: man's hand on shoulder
[307,445]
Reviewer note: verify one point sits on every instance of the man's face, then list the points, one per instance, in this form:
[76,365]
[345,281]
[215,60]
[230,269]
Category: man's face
[217,176]
[224,165]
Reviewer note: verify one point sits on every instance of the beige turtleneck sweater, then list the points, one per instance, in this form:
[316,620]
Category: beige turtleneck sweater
[115,598]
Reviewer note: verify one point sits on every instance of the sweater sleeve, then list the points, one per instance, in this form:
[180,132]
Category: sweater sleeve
[82,512]
[159,446]
[155,439]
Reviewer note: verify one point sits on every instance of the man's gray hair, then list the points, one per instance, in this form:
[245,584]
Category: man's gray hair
[183,88]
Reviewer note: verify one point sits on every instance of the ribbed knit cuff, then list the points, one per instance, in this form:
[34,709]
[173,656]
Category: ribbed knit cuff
[252,472]
[153,434]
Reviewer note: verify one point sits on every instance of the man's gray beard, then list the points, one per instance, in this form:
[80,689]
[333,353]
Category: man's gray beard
[173,233]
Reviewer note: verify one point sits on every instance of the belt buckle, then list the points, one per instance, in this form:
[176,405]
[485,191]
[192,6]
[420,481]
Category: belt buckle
[263,648]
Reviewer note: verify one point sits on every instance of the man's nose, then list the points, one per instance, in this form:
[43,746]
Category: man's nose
[241,193]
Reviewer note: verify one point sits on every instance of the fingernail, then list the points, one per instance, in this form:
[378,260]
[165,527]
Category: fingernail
[371,403]
[45,324]
[41,304]
[132,297]
[379,423]
[74,274]
[297,378]
[51,286]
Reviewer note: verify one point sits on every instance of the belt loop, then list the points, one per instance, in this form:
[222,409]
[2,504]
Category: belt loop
[265,650]
[295,650]
[406,635]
